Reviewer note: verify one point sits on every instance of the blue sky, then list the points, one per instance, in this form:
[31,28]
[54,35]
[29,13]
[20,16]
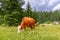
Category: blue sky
[43,5]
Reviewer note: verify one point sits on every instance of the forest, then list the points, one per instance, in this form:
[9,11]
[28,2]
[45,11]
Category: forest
[11,13]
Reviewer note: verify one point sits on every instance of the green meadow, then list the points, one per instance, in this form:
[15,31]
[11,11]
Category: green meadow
[48,32]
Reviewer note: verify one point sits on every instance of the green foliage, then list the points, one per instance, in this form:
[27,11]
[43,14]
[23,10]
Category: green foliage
[11,13]
[49,16]
[1,20]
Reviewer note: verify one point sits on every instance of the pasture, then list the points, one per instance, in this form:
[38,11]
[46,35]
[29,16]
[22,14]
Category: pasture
[48,32]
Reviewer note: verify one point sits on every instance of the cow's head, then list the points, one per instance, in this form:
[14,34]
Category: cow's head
[19,29]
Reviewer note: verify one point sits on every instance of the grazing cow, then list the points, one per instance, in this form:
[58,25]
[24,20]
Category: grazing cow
[26,22]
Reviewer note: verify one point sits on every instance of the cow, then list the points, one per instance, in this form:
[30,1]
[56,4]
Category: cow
[26,22]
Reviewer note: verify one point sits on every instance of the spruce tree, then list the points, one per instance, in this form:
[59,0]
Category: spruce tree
[28,10]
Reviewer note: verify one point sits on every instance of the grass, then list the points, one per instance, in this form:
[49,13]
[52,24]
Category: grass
[49,32]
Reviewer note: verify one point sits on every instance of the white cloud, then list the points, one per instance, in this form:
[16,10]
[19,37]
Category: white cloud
[53,2]
[24,6]
[42,4]
[57,7]
[34,3]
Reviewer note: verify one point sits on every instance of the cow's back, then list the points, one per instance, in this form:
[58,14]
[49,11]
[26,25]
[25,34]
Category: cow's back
[28,21]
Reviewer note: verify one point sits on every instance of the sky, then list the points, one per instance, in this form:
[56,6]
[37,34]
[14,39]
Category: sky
[43,5]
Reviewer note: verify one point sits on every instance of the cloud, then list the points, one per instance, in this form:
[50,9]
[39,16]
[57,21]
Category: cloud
[35,4]
[24,6]
[57,7]
[42,5]
[53,2]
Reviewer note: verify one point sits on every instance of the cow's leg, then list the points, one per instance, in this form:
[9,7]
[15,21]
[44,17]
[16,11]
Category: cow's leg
[32,27]
[25,27]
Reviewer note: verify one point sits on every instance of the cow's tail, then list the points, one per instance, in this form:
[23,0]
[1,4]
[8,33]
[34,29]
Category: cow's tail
[37,24]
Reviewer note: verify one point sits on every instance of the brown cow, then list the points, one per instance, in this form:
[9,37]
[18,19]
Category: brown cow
[26,22]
